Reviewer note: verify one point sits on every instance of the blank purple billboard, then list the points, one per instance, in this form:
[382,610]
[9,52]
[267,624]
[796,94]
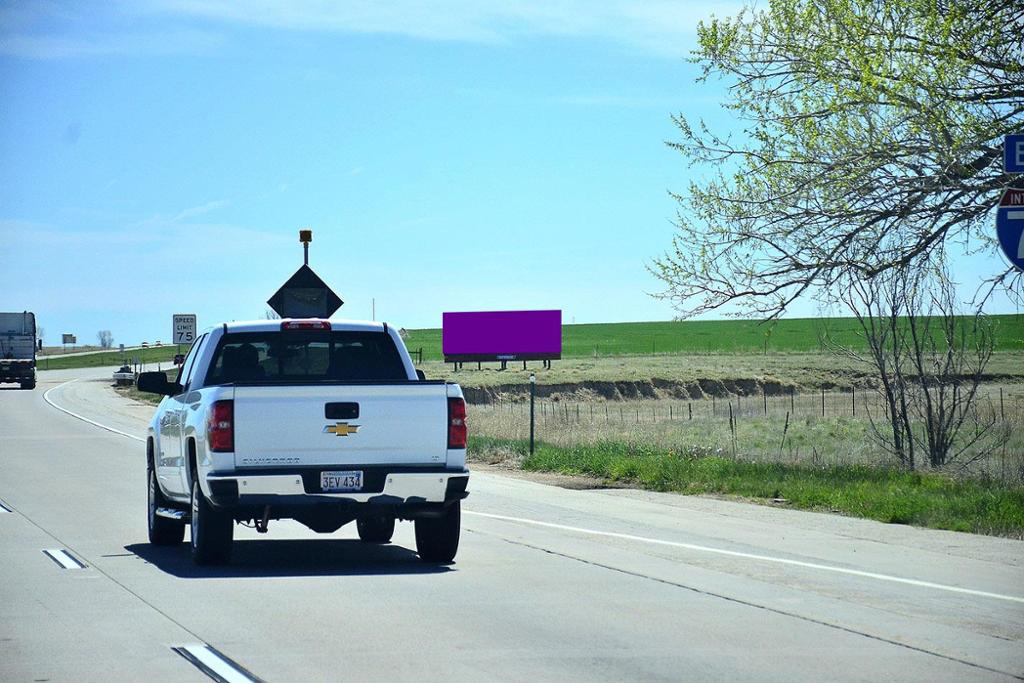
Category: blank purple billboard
[502,335]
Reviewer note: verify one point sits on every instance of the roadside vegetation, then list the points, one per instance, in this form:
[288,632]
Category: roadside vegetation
[824,429]
[886,494]
[748,337]
[160,355]
[612,351]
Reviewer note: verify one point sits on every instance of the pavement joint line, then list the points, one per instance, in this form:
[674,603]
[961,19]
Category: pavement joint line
[46,397]
[747,603]
[753,556]
[216,664]
[64,558]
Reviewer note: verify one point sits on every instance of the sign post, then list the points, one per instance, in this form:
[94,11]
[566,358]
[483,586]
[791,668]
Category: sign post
[183,328]
[533,395]
[1010,226]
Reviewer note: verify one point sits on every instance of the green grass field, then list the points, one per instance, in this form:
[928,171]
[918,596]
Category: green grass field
[152,356]
[729,337]
[888,495]
[713,336]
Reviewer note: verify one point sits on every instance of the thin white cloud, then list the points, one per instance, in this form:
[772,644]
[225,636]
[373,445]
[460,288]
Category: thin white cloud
[200,210]
[49,30]
[29,45]
[664,27]
[623,101]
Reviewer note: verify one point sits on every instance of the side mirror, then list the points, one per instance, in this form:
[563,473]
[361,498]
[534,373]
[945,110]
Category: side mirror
[179,359]
[422,375]
[156,383]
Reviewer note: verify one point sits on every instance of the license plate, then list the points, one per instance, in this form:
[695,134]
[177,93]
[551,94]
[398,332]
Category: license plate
[341,481]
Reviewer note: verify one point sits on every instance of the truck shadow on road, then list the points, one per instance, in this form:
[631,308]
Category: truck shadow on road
[287,558]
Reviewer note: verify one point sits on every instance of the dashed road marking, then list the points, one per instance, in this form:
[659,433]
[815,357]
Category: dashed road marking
[216,664]
[752,556]
[64,558]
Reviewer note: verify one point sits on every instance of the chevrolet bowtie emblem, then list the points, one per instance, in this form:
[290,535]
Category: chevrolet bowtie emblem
[341,429]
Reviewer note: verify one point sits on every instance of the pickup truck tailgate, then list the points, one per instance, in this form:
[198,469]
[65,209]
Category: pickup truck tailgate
[397,424]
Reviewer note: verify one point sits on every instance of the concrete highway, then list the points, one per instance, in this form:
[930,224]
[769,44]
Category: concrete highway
[549,583]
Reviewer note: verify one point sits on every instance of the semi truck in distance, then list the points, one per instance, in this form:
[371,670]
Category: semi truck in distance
[18,349]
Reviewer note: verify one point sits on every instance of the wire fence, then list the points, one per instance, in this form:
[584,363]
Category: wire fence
[995,403]
[820,428]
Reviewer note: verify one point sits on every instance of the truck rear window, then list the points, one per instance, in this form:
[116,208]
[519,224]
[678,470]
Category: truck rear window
[305,356]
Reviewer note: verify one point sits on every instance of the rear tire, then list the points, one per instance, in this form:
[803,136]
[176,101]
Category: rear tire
[437,538]
[375,529]
[29,385]
[211,530]
[162,531]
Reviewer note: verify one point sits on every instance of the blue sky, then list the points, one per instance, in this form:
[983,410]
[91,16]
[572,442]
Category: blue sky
[160,157]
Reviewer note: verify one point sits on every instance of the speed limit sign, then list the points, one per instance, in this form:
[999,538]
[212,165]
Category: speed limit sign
[184,328]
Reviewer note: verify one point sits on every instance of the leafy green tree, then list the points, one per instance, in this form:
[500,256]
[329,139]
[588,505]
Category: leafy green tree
[872,141]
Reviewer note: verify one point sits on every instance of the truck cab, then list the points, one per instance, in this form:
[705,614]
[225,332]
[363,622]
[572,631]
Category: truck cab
[18,349]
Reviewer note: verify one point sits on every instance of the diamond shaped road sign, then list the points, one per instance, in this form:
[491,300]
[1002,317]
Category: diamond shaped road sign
[305,295]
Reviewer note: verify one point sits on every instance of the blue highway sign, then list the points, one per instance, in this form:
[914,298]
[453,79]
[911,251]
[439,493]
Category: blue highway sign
[1010,226]
[1013,153]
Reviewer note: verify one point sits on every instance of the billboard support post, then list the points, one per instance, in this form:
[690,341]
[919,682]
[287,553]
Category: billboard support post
[533,394]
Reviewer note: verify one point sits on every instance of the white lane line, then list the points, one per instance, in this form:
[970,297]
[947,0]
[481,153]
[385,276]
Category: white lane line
[215,664]
[64,558]
[752,556]
[46,397]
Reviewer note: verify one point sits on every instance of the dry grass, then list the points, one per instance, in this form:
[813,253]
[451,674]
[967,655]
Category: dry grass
[793,431]
[805,371]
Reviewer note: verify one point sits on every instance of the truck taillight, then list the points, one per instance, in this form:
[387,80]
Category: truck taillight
[220,428]
[456,423]
[306,325]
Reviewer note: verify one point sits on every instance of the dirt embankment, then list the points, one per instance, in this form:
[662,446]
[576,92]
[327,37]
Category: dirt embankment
[632,390]
[629,390]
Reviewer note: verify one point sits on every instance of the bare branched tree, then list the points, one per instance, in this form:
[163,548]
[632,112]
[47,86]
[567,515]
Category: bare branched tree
[105,338]
[929,363]
[872,135]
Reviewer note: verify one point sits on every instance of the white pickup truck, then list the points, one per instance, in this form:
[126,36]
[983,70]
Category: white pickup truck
[320,421]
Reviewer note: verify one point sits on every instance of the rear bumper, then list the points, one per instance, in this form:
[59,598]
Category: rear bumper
[16,372]
[395,487]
